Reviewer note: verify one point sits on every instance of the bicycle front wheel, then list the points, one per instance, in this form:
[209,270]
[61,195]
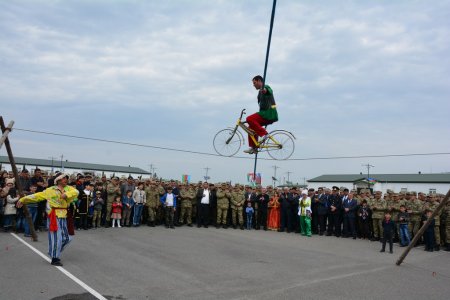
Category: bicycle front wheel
[281,146]
[227,142]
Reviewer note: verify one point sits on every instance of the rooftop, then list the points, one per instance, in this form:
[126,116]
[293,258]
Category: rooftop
[73,165]
[401,178]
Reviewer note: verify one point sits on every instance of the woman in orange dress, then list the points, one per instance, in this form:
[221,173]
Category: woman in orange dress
[273,221]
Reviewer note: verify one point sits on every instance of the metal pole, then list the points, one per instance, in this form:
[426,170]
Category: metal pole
[422,229]
[16,177]
[272,17]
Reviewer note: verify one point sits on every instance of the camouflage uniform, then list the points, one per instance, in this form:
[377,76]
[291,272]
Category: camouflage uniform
[152,198]
[237,205]
[447,225]
[433,206]
[112,191]
[187,195]
[415,209]
[378,207]
[223,202]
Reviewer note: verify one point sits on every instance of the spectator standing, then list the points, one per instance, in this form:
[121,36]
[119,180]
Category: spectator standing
[249,211]
[349,207]
[262,200]
[169,201]
[139,201]
[128,203]
[388,232]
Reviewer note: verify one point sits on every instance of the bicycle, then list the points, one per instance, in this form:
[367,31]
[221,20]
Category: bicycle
[279,144]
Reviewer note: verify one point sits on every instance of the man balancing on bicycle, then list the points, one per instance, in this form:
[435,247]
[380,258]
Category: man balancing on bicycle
[267,113]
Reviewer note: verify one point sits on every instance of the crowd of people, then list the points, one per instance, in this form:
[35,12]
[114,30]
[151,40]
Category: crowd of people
[335,211]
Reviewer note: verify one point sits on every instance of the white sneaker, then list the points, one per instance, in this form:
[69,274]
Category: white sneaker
[250,151]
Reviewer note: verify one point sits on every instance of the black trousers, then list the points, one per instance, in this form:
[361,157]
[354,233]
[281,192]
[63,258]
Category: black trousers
[314,220]
[322,220]
[286,219]
[203,215]
[262,218]
[387,238]
[334,224]
[349,226]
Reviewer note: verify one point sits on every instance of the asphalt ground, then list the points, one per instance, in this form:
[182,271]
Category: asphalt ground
[200,263]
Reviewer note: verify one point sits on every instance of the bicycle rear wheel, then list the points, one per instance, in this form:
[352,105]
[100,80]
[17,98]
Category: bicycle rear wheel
[283,146]
[227,142]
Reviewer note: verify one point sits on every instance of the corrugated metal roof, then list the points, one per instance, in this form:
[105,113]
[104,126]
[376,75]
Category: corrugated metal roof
[403,178]
[73,165]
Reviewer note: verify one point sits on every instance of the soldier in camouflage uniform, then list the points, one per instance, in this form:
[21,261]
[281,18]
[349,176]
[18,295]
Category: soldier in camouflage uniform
[187,194]
[237,204]
[432,205]
[414,207]
[378,207]
[223,201]
[447,225]
[152,198]
[112,191]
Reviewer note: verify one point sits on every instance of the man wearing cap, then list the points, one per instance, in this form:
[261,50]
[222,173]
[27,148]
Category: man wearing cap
[237,202]
[378,207]
[152,199]
[223,201]
[334,210]
[112,190]
[186,196]
[58,198]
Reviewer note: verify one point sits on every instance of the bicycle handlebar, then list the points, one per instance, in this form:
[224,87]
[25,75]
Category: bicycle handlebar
[242,113]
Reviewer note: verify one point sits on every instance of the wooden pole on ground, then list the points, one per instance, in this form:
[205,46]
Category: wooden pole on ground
[422,229]
[27,214]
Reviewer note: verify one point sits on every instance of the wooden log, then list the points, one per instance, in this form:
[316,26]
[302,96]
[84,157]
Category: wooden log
[5,133]
[422,229]
[16,176]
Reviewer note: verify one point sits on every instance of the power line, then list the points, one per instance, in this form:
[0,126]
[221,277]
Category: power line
[217,155]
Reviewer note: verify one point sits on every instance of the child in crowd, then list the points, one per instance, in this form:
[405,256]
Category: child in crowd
[428,235]
[403,220]
[388,232]
[97,205]
[116,212]
[249,211]
[364,220]
[128,203]
[10,208]
[169,201]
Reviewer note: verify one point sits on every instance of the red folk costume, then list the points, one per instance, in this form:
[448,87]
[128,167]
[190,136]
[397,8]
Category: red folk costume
[273,221]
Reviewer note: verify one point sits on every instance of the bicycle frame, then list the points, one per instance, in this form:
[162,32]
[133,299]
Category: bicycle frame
[251,134]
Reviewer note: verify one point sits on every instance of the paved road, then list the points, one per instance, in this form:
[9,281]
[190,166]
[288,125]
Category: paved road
[192,263]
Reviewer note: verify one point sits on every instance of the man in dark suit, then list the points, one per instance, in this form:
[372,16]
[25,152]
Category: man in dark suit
[334,209]
[262,200]
[349,207]
[286,216]
[322,209]
[314,215]
[204,199]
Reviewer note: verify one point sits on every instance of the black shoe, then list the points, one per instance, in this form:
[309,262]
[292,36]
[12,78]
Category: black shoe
[172,227]
[167,226]
[190,225]
[56,262]
[279,230]
[265,228]
[391,251]
[224,226]
[382,250]
[217,226]
[206,226]
[242,228]
[437,248]
[447,248]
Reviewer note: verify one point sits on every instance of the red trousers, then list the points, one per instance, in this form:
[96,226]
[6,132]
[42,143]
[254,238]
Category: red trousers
[256,123]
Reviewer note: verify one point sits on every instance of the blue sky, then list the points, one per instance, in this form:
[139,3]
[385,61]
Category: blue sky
[349,77]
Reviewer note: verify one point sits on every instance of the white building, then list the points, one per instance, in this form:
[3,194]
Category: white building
[425,183]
